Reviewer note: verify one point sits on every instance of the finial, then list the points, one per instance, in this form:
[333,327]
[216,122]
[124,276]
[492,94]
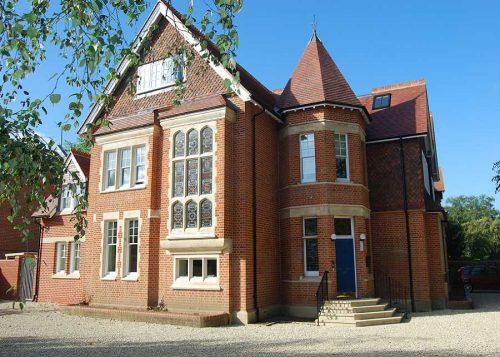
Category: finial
[315,30]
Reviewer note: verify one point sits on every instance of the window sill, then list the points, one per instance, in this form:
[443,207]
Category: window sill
[131,277]
[122,189]
[185,235]
[196,286]
[343,181]
[73,276]
[109,277]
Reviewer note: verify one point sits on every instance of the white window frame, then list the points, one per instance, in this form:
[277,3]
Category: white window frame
[105,251]
[145,81]
[66,196]
[195,283]
[137,165]
[127,275]
[59,249]
[351,236]
[125,166]
[75,254]
[309,273]
[132,184]
[302,158]
[343,179]
[199,231]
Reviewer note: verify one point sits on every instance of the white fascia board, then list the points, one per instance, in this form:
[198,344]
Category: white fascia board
[159,9]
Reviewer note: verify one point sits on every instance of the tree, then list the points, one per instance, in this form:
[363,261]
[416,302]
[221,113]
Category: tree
[81,145]
[89,36]
[474,227]
[496,178]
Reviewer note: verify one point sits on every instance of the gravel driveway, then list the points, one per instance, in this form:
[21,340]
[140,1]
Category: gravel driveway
[42,330]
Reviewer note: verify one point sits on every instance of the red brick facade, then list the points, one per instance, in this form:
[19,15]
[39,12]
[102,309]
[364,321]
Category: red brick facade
[372,197]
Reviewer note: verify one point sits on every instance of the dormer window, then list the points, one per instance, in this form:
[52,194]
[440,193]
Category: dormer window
[158,74]
[382,101]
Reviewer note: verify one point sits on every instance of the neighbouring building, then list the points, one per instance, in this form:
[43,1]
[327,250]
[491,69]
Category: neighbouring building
[239,203]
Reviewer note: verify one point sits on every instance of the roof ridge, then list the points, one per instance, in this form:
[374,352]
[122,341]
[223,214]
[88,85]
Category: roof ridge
[414,83]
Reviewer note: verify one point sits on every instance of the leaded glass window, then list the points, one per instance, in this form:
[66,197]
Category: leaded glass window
[206,175]
[191,215]
[179,142]
[206,213]
[206,140]
[178,178]
[177,215]
[192,179]
[193,142]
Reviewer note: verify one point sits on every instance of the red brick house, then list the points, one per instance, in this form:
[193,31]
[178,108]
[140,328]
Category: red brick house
[240,203]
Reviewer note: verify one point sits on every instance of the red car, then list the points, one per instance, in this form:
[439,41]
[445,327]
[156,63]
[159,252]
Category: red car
[480,277]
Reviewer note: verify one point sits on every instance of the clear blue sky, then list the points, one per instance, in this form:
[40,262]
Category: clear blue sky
[453,44]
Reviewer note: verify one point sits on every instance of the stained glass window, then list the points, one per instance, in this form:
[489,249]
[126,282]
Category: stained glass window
[192,142]
[206,175]
[178,178]
[192,177]
[179,142]
[206,140]
[177,215]
[206,213]
[191,215]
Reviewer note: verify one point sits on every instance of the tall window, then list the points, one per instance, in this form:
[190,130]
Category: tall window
[61,257]
[341,157]
[426,176]
[131,164]
[110,238]
[158,74]
[75,257]
[311,264]
[131,247]
[381,101]
[66,199]
[192,179]
[307,158]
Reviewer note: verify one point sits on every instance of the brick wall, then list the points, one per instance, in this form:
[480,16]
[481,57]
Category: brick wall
[11,239]
[9,277]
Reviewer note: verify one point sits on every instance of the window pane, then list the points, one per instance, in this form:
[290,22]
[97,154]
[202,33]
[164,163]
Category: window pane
[111,178]
[197,268]
[211,268]
[177,216]
[182,268]
[206,140]
[132,258]
[193,142]
[310,227]
[191,215]
[133,231]
[61,257]
[111,258]
[178,178]
[110,168]
[307,145]
[179,144]
[341,167]
[206,213]
[343,226]
[140,164]
[308,169]
[125,167]
[111,234]
[312,254]
[76,257]
[192,184]
[206,175]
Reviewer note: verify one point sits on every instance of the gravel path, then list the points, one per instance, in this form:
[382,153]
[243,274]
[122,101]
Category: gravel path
[42,330]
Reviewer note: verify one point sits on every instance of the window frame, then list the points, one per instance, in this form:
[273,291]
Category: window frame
[61,270]
[106,273]
[127,275]
[118,185]
[196,283]
[73,256]
[200,197]
[345,236]
[144,70]
[348,178]
[302,158]
[374,106]
[309,273]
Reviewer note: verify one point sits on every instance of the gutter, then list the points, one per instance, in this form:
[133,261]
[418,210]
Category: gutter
[254,209]
[407,220]
[38,265]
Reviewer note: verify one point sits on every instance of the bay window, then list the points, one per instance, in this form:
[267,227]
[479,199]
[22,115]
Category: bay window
[341,157]
[196,272]
[307,158]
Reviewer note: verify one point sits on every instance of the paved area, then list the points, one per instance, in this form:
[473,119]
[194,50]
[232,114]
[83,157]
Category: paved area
[44,331]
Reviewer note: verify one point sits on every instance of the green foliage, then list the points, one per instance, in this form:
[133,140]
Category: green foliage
[89,36]
[81,145]
[474,227]
[496,178]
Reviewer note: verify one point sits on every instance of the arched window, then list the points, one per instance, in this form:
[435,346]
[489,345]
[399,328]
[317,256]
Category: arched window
[206,213]
[192,142]
[206,140]
[177,216]
[191,215]
[179,141]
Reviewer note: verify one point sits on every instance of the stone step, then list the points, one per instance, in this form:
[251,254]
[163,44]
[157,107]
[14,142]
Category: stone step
[370,308]
[380,321]
[352,303]
[358,316]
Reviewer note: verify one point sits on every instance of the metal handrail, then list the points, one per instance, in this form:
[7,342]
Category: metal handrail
[321,294]
[393,291]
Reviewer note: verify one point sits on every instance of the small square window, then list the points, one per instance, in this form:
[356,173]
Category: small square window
[343,226]
[381,101]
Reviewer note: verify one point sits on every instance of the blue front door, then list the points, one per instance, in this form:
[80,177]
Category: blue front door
[346,271]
